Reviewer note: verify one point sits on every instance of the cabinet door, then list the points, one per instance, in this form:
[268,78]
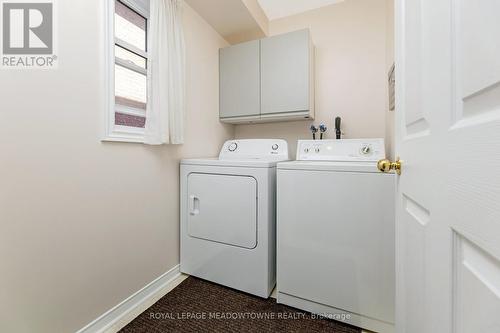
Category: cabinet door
[285,72]
[240,80]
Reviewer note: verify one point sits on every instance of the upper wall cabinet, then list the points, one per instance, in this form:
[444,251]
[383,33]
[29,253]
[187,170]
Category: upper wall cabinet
[286,75]
[268,80]
[239,81]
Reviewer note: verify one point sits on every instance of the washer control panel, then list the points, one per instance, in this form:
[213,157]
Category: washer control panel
[270,149]
[341,150]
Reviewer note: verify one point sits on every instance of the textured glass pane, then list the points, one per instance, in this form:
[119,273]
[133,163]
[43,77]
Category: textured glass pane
[129,57]
[130,87]
[129,120]
[130,26]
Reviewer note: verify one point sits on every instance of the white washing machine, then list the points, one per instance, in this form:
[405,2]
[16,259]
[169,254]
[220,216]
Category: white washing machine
[228,215]
[335,233]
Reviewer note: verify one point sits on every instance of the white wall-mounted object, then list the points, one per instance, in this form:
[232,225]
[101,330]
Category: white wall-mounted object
[228,218]
[335,232]
[285,79]
[287,76]
[239,85]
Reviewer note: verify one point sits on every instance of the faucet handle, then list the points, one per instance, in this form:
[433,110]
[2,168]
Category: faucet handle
[322,129]
[313,130]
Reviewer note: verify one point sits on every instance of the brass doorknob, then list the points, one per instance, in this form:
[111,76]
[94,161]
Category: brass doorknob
[385,165]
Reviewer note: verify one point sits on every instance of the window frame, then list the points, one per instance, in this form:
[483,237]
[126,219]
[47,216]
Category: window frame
[114,132]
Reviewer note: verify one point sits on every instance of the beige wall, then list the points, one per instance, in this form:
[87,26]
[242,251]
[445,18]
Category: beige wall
[350,40]
[84,224]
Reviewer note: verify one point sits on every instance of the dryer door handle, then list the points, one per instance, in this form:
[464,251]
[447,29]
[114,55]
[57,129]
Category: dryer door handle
[194,205]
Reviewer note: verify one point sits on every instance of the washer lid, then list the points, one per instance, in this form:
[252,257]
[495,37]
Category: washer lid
[330,166]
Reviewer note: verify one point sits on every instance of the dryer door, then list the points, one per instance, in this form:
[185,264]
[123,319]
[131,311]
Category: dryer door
[223,208]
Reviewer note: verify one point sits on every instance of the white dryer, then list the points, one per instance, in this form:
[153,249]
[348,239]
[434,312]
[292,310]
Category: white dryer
[335,232]
[228,215]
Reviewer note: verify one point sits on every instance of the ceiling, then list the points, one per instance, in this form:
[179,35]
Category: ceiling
[275,9]
[242,20]
[227,17]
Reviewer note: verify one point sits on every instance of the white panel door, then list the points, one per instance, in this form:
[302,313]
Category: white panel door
[448,195]
[223,208]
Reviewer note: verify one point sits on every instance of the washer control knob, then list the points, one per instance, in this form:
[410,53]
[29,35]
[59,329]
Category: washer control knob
[306,150]
[317,150]
[275,146]
[365,150]
[232,146]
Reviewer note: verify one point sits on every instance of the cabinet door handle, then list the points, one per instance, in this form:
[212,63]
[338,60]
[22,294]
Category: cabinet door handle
[194,205]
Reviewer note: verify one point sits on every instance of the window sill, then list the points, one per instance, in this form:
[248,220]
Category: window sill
[124,134]
[122,139]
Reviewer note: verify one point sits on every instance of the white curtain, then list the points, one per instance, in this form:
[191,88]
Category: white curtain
[166,73]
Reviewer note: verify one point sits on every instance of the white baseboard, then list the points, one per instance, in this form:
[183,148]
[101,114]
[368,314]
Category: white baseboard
[123,313]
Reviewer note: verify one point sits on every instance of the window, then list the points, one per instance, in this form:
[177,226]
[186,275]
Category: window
[127,69]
